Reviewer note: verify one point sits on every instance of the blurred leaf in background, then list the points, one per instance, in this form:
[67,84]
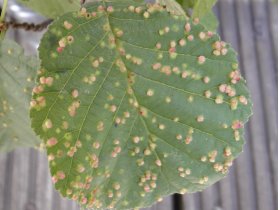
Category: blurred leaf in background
[201,9]
[51,8]
[16,81]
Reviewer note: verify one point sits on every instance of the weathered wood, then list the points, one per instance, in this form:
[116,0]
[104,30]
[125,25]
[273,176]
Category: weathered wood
[246,184]
[8,181]
[210,198]
[18,180]
[228,194]
[266,68]
[256,126]
[165,204]
[192,201]
[3,160]
[32,180]
[43,185]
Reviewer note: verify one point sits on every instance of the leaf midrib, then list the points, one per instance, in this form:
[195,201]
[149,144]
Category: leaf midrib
[137,115]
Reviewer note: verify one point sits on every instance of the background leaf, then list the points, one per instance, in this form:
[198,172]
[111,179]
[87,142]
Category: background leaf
[52,8]
[202,7]
[135,104]
[187,4]
[16,81]
[203,10]
[55,8]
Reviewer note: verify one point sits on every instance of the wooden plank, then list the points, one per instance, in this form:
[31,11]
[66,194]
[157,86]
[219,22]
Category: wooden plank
[18,180]
[165,204]
[246,179]
[8,181]
[192,201]
[43,185]
[70,205]
[228,194]
[256,125]
[267,69]
[32,167]
[75,206]
[58,202]
[64,203]
[210,198]
[3,160]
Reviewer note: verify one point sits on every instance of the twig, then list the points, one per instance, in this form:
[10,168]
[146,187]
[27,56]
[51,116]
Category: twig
[3,12]
[25,26]
[2,18]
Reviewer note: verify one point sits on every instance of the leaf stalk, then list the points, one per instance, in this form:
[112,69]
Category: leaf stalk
[2,18]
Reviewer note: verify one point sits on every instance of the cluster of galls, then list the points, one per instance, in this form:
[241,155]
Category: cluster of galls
[147,182]
[64,42]
[40,101]
[188,138]
[219,48]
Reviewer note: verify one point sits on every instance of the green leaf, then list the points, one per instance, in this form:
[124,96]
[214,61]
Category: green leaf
[52,8]
[16,81]
[136,104]
[172,6]
[202,7]
[210,21]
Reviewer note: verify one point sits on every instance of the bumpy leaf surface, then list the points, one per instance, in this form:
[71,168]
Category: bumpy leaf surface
[52,8]
[17,76]
[136,103]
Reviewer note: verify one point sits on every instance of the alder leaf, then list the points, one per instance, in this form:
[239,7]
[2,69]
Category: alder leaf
[135,104]
[16,81]
[52,8]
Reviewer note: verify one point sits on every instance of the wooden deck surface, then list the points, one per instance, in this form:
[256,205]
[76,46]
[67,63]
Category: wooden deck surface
[251,26]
